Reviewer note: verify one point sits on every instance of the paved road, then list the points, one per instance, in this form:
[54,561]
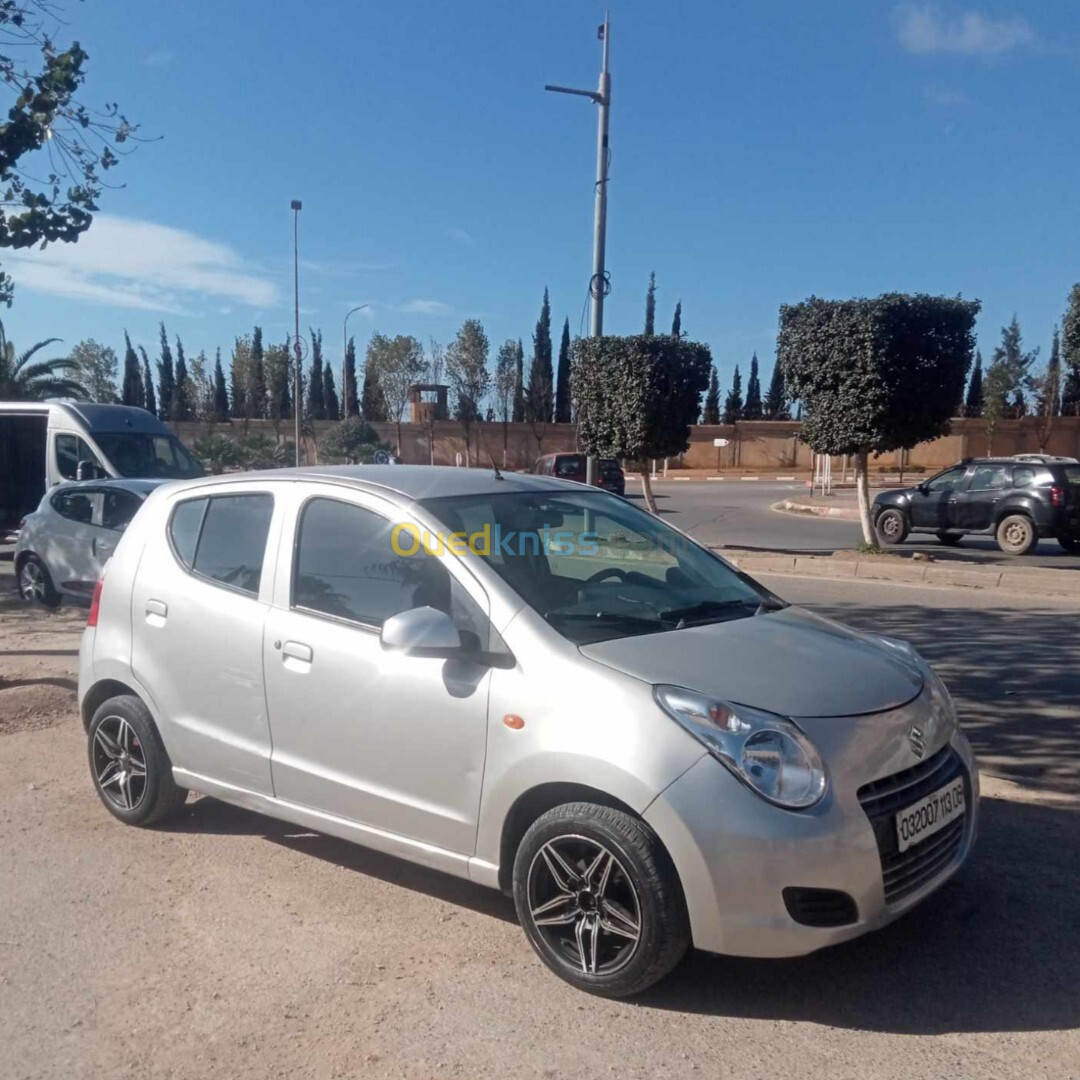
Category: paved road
[736,514]
[230,945]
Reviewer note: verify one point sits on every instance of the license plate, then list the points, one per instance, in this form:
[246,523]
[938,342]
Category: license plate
[930,815]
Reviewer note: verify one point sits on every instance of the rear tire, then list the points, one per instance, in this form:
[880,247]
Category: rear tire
[1016,535]
[892,526]
[950,539]
[129,766]
[599,899]
[1071,544]
[36,583]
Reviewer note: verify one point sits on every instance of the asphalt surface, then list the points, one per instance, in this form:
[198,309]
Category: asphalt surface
[230,945]
[735,513]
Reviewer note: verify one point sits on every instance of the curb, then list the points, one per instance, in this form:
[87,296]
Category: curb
[1037,581]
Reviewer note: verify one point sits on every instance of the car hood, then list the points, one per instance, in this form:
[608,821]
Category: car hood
[789,662]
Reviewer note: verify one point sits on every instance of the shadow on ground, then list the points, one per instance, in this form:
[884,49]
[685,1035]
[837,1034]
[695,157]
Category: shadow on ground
[1014,674]
[993,950]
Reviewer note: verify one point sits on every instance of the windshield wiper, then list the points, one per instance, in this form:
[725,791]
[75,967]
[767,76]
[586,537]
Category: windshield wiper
[702,612]
[604,616]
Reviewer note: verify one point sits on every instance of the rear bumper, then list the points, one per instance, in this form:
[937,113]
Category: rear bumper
[735,855]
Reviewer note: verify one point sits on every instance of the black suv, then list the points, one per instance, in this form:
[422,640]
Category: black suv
[1015,501]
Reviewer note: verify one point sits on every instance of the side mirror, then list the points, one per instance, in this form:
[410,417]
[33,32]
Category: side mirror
[922,489]
[422,631]
[89,470]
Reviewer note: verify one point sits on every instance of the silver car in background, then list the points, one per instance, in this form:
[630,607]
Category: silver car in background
[537,687]
[63,546]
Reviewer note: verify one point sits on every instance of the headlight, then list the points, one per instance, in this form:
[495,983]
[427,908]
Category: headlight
[766,752]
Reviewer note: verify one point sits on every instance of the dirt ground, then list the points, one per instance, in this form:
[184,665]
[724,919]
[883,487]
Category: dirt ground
[230,945]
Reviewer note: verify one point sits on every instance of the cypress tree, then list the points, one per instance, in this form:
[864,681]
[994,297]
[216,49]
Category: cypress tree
[131,388]
[712,400]
[539,399]
[752,410]
[973,403]
[519,385]
[348,391]
[256,389]
[181,397]
[330,398]
[166,379]
[1070,354]
[148,383]
[733,403]
[776,403]
[676,322]
[650,306]
[372,402]
[316,403]
[221,394]
[562,382]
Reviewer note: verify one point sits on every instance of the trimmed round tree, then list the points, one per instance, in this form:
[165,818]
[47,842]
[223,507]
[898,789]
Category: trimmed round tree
[875,375]
[636,397]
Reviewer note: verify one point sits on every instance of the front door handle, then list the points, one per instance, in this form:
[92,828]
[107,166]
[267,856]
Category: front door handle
[297,650]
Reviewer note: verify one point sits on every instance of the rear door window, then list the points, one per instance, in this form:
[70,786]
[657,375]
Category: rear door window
[118,508]
[223,538]
[989,478]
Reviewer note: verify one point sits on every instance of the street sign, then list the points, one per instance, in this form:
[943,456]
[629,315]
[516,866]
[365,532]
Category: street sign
[720,442]
[381,457]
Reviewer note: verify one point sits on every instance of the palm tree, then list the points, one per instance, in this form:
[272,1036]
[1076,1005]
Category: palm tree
[24,379]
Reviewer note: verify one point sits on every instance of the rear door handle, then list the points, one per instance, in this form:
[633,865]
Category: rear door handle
[156,612]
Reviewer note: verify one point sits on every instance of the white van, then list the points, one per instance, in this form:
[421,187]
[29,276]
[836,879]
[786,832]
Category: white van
[44,443]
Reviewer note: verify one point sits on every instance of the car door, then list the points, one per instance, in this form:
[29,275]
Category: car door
[934,504]
[387,740]
[66,543]
[199,604]
[977,504]
[113,510]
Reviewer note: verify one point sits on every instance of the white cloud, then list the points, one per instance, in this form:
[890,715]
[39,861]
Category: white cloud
[946,97]
[123,262]
[923,28]
[461,236]
[157,59]
[425,307]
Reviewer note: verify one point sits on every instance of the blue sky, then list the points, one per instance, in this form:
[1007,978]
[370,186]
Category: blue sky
[762,151]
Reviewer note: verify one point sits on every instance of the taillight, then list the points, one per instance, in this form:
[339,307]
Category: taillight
[95,603]
[1057,497]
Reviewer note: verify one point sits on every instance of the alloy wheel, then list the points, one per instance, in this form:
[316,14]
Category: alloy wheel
[119,763]
[891,527]
[1016,534]
[584,905]
[32,582]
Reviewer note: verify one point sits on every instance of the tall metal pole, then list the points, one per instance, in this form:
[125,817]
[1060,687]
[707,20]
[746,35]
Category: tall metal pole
[344,351]
[598,284]
[298,404]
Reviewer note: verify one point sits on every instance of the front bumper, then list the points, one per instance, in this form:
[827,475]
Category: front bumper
[735,854]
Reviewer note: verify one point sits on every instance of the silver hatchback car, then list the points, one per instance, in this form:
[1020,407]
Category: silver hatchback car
[533,685]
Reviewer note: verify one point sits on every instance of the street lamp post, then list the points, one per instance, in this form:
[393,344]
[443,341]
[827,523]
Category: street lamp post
[344,351]
[598,284]
[296,206]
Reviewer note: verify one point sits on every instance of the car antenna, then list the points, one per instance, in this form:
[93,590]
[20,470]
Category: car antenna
[491,457]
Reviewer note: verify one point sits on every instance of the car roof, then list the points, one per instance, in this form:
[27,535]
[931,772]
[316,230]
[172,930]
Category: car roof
[136,486]
[106,419]
[410,483]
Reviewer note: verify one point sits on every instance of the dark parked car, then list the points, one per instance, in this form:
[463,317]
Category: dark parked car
[1016,502]
[572,467]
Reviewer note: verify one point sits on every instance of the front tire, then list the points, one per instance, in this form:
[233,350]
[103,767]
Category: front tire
[130,769]
[36,583]
[599,899]
[892,526]
[1016,535]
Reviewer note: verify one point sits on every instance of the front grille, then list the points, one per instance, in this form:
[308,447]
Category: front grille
[904,872]
[820,907]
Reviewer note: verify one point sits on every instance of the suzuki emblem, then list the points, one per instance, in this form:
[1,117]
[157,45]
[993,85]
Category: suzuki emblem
[918,743]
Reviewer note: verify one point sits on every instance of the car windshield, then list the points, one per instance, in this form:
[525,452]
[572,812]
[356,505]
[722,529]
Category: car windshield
[596,567]
[150,456]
